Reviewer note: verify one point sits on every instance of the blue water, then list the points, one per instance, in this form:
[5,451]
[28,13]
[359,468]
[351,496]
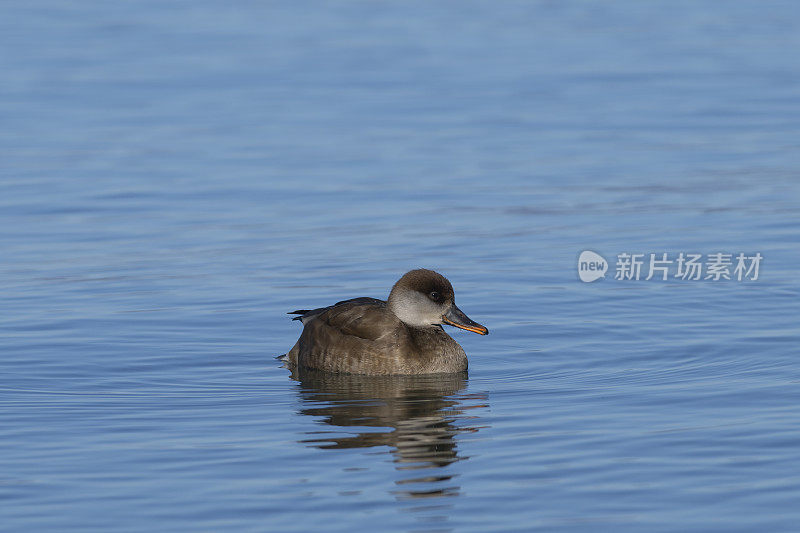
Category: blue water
[175,177]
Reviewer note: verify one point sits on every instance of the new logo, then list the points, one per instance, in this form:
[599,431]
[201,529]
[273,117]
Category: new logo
[591,266]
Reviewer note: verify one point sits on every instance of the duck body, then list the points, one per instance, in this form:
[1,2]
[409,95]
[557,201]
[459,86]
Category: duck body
[402,335]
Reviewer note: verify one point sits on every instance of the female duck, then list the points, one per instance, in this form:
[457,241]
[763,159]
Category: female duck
[402,335]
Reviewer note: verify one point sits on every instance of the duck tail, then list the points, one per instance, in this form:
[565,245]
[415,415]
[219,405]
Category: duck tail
[299,312]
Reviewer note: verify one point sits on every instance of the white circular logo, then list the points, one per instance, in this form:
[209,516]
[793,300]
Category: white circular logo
[591,266]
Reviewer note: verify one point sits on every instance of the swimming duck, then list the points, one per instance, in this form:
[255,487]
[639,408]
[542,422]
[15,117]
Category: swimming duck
[402,335]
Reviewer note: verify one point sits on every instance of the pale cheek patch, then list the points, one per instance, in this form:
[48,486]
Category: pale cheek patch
[415,309]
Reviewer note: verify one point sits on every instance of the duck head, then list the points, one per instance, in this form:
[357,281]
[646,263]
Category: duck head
[424,298]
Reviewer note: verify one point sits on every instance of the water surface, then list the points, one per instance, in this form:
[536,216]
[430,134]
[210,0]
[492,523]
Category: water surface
[175,177]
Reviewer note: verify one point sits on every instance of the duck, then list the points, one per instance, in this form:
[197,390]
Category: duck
[400,335]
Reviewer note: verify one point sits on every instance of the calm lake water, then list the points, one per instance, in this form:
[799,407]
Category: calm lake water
[175,177]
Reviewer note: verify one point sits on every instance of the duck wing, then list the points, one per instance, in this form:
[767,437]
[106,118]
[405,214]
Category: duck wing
[308,313]
[366,318]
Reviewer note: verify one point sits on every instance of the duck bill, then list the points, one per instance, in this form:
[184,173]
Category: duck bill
[456,317]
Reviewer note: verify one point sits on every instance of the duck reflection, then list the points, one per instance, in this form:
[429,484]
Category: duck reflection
[417,417]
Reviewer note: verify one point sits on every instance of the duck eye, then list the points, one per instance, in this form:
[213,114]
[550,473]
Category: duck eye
[435,295]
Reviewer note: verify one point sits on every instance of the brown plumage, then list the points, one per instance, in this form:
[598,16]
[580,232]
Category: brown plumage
[402,335]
